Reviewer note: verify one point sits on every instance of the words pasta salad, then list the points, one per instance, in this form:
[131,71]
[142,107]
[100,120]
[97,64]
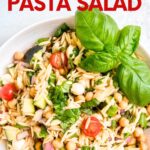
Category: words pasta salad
[80,89]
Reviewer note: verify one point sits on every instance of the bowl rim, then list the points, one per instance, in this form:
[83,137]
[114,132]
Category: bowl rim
[34,25]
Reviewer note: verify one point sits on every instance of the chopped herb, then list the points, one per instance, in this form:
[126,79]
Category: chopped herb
[89,89]
[42,40]
[69,117]
[52,79]
[87,111]
[112,111]
[102,105]
[76,51]
[87,148]
[70,61]
[127,135]
[66,85]
[113,124]
[63,28]
[20,126]
[142,121]
[129,116]
[100,81]
[90,104]
[43,133]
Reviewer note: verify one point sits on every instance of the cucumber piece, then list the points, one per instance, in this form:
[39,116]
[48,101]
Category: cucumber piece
[40,102]
[28,107]
[11,132]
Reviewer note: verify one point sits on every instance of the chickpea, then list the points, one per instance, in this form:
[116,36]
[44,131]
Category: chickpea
[70,146]
[62,71]
[79,98]
[18,56]
[138,132]
[148,109]
[132,141]
[88,96]
[143,146]
[123,104]
[118,96]
[77,89]
[57,143]
[123,122]
[32,92]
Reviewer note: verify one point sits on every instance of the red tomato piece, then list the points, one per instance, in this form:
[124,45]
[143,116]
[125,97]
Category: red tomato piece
[7,92]
[91,126]
[58,60]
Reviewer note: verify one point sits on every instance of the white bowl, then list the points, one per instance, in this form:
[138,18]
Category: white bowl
[26,38]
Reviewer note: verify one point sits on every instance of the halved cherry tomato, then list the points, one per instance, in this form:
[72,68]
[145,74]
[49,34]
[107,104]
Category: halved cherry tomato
[58,60]
[7,91]
[91,126]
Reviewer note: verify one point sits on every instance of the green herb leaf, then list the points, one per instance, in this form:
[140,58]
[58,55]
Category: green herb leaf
[112,111]
[69,117]
[63,28]
[66,85]
[129,39]
[52,80]
[43,132]
[142,121]
[90,104]
[134,80]
[127,135]
[95,29]
[42,40]
[113,124]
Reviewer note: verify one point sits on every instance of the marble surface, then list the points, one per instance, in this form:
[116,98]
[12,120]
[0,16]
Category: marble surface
[12,22]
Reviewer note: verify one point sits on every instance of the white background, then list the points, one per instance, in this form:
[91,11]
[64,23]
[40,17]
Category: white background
[12,22]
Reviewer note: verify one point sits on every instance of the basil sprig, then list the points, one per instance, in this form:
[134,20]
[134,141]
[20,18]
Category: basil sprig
[112,49]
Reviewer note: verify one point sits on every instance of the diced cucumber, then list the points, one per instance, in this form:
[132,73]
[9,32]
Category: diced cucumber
[40,102]
[11,132]
[28,107]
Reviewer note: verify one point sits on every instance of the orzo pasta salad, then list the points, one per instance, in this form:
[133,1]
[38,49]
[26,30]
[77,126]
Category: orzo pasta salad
[79,89]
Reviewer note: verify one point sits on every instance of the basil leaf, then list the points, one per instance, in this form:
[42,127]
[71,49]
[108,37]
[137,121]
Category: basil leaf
[129,39]
[99,62]
[95,29]
[134,80]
